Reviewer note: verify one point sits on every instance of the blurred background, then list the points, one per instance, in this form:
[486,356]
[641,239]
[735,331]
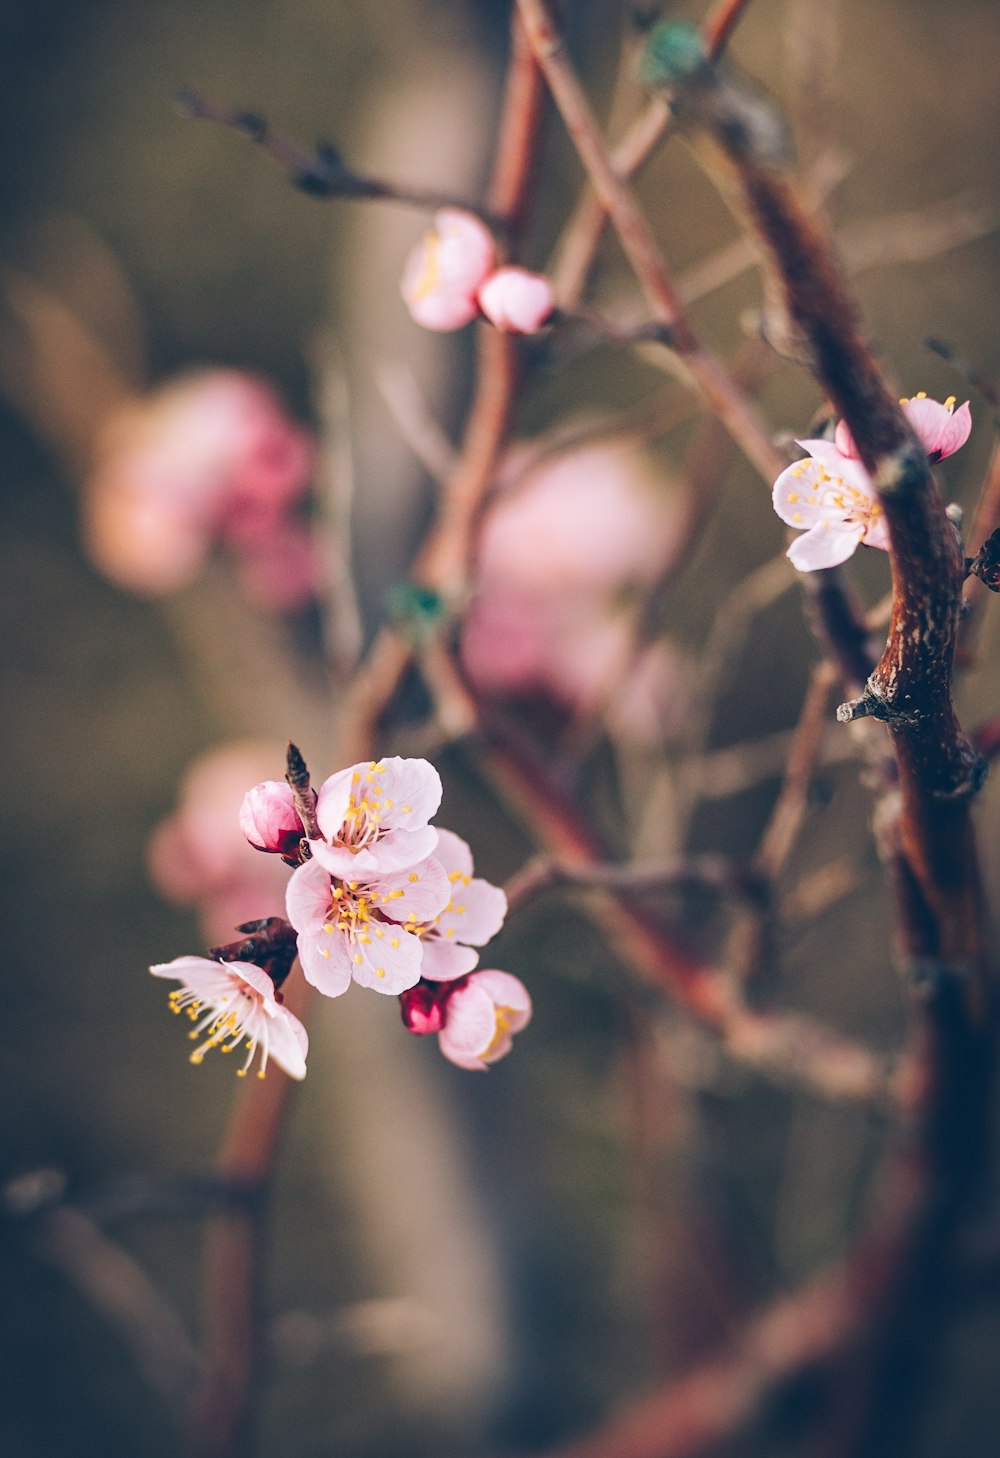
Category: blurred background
[458,1264]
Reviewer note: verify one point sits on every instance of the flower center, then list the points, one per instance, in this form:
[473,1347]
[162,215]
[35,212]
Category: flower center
[237,1017]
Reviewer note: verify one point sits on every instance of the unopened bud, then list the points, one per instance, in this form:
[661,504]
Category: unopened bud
[269,819]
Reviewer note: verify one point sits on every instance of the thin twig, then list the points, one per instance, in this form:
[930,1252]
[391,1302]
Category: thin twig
[737,414]
[697,873]
[581,236]
[322,173]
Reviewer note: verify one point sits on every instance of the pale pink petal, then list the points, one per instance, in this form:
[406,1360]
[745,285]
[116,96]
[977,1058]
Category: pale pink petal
[444,961]
[956,431]
[516,301]
[844,440]
[825,545]
[799,498]
[474,914]
[203,974]
[453,853]
[287,1042]
[940,430]
[396,850]
[326,962]
[308,898]
[877,534]
[508,993]
[385,958]
[333,801]
[410,791]
[470,1025]
[417,895]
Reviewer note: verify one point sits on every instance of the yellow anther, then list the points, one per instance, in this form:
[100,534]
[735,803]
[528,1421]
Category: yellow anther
[793,496]
[949,404]
[379,971]
[324,952]
[358,958]
[920,395]
[328,927]
[413,877]
[394,943]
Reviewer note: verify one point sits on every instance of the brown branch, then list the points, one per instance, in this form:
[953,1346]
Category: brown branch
[702,873]
[737,414]
[786,1047]
[582,234]
[928,842]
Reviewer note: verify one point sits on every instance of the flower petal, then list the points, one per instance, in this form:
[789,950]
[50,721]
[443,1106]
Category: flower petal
[445,961]
[308,896]
[418,895]
[470,1026]
[386,959]
[396,850]
[826,545]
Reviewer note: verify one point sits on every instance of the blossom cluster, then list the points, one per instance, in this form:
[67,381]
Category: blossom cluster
[452,277]
[378,896]
[831,498]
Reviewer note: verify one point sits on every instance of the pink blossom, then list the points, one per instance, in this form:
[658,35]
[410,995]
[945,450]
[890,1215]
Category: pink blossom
[517,302]
[374,817]
[565,557]
[269,819]
[199,857]
[941,429]
[475,1018]
[474,914]
[233,1002]
[830,498]
[444,272]
[209,457]
[365,929]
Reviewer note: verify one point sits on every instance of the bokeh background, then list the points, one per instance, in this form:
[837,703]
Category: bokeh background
[458,1265]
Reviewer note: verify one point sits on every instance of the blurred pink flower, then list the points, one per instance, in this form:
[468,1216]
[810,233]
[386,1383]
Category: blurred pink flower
[443,273]
[233,1002]
[212,456]
[269,819]
[832,500]
[199,857]
[475,1018]
[517,302]
[565,559]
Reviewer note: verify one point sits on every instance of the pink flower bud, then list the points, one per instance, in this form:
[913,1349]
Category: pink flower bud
[421,1009]
[516,301]
[269,819]
[445,270]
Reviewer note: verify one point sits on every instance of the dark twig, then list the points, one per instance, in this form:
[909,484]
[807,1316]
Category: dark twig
[697,873]
[928,843]
[322,173]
